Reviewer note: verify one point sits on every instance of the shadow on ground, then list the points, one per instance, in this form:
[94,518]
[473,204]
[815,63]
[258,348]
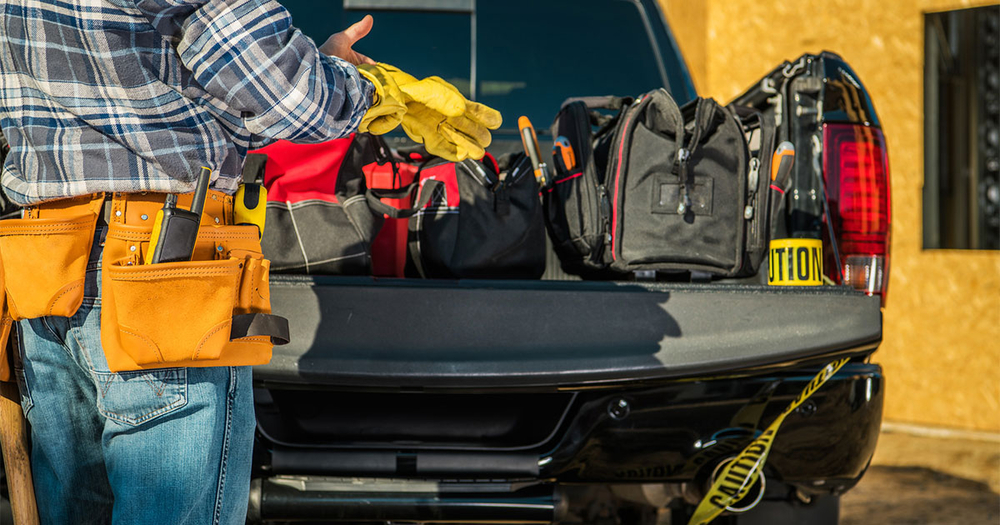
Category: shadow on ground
[918,495]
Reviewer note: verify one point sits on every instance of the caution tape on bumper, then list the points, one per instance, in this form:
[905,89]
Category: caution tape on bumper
[739,475]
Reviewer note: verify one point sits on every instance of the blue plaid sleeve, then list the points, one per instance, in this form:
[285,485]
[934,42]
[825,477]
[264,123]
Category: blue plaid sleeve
[247,54]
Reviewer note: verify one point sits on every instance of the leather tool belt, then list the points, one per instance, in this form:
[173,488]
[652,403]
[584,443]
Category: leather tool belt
[214,310]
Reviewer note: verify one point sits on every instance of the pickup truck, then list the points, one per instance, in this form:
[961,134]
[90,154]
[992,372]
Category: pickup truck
[569,401]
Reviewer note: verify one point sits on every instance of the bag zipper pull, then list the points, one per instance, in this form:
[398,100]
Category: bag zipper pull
[682,157]
[605,212]
[752,179]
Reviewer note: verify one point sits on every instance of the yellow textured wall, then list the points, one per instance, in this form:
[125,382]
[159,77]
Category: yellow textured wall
[941,347]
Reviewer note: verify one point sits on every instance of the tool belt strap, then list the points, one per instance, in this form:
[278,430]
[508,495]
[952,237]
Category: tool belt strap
[248,325]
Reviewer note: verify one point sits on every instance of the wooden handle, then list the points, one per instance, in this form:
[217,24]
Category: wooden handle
[16,457]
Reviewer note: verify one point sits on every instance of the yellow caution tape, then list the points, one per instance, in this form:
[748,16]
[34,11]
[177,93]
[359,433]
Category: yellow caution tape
[795,262]
[749,415]
[739,475]
[741,428]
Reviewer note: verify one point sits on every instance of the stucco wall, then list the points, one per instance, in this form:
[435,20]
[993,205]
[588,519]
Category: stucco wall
[941,348]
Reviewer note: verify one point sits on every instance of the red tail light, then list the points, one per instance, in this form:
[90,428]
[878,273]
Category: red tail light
[856,174]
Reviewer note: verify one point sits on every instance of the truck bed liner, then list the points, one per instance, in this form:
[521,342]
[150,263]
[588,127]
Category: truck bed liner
[396,333]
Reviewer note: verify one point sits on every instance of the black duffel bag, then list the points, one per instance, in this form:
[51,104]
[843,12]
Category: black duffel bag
[480,222]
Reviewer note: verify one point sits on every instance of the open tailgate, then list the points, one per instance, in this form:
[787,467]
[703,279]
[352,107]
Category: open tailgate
[394,333]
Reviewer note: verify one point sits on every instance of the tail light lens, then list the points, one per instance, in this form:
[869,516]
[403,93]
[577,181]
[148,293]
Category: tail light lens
[856,174]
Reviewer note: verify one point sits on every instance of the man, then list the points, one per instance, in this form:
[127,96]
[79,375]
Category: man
[130,98]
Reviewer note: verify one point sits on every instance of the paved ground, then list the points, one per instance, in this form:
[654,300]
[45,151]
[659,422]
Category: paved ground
[928,481]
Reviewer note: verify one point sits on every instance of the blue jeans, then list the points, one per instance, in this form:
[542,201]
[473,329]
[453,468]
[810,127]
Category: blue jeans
[166,446]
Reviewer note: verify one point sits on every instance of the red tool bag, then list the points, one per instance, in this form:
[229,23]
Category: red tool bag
[319,207]
[346,207]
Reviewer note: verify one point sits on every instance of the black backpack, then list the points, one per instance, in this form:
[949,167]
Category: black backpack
[577,206]
[664,188]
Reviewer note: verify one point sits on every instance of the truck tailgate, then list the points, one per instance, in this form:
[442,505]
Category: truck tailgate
[394,333]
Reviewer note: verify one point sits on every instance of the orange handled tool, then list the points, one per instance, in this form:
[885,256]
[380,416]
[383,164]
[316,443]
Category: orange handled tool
[781,162]
[530,141]
[563,154]
[781,173]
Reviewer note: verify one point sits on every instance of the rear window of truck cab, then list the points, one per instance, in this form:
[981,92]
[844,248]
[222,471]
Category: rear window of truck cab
[522,57]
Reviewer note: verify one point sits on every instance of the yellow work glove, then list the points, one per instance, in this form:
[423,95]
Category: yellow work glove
[440,118]
[387,110]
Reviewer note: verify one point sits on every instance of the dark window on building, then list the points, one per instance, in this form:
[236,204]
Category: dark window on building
[962,129]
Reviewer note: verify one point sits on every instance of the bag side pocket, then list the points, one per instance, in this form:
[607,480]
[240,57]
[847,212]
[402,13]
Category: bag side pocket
[45,262]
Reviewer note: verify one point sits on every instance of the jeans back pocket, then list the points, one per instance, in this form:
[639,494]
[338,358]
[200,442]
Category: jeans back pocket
[133,398]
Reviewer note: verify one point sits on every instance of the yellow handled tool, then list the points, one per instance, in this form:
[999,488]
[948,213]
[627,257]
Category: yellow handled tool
[250,205]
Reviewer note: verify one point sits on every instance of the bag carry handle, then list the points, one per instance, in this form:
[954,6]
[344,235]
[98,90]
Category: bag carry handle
[602,102]
[704,112]
[673,111]
[375,203]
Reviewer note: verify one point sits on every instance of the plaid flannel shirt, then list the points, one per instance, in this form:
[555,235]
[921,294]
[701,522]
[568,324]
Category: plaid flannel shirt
[137,95]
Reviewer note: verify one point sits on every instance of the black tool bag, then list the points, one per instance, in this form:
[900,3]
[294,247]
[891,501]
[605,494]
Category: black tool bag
[481,222]
[684,191]
[577,205]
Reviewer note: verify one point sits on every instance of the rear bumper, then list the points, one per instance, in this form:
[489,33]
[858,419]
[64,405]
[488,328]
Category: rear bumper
[509,395]
[673,432]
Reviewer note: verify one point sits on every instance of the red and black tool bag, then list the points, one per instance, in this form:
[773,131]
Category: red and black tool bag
[319,216]
[389,247]
[481,222]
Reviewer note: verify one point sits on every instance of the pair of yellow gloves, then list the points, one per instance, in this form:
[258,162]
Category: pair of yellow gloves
[432,112]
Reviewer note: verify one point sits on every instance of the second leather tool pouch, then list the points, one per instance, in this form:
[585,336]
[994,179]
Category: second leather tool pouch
[45,257]
[189,313]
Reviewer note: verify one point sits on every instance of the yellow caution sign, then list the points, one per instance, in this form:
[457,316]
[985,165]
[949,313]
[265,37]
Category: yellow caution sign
[795,262]
[740,474]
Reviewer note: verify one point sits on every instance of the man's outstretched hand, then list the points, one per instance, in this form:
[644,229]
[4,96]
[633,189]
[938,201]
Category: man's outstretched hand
[339,44]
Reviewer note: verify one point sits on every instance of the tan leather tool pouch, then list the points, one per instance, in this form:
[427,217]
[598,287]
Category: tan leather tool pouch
[181,313]
[44,256]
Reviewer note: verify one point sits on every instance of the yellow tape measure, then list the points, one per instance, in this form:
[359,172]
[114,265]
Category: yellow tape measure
[795,262]
[735,480]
